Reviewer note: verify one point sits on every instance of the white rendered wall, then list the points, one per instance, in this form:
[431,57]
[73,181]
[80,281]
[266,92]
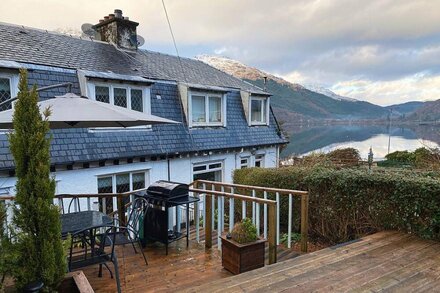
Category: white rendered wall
[181,170]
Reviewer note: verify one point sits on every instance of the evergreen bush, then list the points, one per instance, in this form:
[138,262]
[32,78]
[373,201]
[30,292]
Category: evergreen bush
[345,204]
[36,219]
[244,232]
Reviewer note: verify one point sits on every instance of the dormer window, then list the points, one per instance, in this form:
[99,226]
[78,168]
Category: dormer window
[132,97]
[207,109]
[259,110]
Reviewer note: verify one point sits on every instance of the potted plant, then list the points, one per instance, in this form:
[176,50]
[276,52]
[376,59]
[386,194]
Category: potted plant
[242,250]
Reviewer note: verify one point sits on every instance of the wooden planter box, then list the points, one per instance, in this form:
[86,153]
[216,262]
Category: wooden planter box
[239,258]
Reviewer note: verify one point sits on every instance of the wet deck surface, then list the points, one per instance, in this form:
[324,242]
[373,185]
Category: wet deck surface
[382,262]
[182,268]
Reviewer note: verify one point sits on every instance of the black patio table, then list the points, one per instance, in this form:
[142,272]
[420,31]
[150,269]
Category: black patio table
[79,221]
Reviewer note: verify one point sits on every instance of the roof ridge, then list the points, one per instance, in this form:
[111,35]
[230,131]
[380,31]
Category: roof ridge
[52,32]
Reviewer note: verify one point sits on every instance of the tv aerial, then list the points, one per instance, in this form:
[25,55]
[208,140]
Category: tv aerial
[88,31]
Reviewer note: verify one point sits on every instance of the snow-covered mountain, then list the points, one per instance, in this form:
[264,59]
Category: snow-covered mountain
[325,91]
[292,101]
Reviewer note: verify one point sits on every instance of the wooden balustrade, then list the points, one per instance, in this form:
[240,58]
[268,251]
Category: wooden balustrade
[213,188]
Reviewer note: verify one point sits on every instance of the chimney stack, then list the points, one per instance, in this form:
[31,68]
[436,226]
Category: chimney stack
[119,30]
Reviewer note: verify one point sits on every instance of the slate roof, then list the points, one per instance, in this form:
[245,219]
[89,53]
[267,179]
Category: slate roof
[29,45]
[81,145]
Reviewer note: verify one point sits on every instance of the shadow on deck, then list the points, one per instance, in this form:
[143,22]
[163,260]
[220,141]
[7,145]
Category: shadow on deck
[385,262]
[182,268]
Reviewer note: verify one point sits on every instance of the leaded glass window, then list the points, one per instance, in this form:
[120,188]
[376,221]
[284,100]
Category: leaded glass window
[105,185]
[138,180]
[120,97]
[136,100]
[102,94]
[5,93]
[122,183]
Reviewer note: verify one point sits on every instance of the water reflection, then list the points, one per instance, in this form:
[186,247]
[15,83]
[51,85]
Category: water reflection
[383,139]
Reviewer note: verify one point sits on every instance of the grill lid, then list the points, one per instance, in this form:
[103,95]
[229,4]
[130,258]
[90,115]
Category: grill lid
[168,189]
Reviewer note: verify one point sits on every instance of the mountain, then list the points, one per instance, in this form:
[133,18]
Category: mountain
[292,101]
[405,108]
[322,90]
[429,112]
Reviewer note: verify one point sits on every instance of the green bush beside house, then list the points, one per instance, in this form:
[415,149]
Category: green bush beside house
[345,204]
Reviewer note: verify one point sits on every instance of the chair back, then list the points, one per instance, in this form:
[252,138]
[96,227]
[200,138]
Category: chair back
[73,206]
[138,210]
[93,246]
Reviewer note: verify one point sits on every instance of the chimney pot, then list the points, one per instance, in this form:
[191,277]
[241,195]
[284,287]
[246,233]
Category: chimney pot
[118,13]
[126,18]
[106,17]
[101,20]
[111,16]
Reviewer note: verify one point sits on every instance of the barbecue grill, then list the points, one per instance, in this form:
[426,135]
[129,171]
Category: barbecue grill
[163,195]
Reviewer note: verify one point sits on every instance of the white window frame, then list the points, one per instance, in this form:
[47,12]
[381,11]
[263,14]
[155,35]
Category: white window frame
[113,176]
[260,158]
[13,83]
[264,114]
[206,95]
[247,164]
[207,169]
[146,93]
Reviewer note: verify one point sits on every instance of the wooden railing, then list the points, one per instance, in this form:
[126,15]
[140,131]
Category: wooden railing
[250,196]
[271,210]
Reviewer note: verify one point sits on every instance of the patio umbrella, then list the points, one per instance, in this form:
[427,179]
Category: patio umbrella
[72,111]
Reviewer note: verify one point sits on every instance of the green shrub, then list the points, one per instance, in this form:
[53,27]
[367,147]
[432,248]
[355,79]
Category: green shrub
[347,203]
[244,231]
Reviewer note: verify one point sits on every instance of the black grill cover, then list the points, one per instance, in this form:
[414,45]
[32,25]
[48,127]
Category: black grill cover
[168,189]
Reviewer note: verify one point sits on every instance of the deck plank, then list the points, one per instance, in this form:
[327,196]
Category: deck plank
[182,268]
[382,262]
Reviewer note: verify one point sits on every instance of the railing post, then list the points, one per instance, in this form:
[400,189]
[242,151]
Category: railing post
[278,217]
[272,234]
[253,207]
[213,208]
[265,217]
[208,220]
[289,225]
[197,217]
[257,218]
[121,210]
[204,205]
[231,211]
[304,221]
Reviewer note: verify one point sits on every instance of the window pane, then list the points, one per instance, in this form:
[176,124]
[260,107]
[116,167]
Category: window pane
[122,183]
[5,93]
[105,185]
[215,166]
[215,109]
[198,109]
[199,168]
[120,97]
[256,110]
[102,94]
[136,100]
[138,180]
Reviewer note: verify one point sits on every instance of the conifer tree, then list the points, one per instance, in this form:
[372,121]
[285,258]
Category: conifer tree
[41,255]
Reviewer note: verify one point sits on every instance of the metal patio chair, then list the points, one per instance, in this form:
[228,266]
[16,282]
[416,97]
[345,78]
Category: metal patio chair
[99,251]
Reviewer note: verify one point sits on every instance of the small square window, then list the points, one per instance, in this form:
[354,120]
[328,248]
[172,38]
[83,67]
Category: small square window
[120,97]
[102,94]
[244,163]
[259,161]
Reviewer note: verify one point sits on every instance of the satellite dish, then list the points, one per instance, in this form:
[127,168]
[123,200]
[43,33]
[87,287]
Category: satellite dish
[140,41]
[87,30]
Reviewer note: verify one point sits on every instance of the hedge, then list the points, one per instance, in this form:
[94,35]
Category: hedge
[345,204]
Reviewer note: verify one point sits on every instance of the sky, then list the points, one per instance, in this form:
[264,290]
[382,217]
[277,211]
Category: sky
[382,51]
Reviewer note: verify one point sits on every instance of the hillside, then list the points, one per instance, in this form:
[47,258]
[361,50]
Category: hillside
[429,112]
[405,108]
[294,100]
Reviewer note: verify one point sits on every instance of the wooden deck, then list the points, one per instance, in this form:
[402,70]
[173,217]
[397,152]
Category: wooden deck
[181,269]
[386,262]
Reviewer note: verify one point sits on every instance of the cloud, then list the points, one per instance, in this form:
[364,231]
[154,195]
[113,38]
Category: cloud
[321,41]
[419,87]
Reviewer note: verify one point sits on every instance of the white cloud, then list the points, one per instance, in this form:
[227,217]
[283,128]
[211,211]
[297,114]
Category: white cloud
[419,87]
